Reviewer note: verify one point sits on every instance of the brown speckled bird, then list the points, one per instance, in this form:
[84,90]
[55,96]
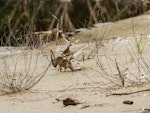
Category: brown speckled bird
[61,62]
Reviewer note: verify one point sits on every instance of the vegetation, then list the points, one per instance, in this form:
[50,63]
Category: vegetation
[71,14]
[15,79]
[19,24]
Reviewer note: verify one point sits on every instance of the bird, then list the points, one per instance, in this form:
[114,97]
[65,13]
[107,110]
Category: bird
[61,62]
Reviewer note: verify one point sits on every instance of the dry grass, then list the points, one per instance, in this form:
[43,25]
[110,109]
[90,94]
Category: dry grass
[21,71]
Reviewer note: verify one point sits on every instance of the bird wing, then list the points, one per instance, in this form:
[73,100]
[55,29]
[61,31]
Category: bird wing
[78,52]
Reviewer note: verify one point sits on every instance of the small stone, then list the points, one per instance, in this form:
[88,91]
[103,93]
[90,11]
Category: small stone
[128,102]
[69,101]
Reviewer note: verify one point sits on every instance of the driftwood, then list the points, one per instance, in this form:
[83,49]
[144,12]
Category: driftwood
[71,54]
[46,35]
[67,52]
[39,38]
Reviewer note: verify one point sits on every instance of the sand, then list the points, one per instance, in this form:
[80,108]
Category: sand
[89,85]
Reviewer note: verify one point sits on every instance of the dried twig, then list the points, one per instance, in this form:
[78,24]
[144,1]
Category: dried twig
[130,92]
[121,75]
[57,28]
